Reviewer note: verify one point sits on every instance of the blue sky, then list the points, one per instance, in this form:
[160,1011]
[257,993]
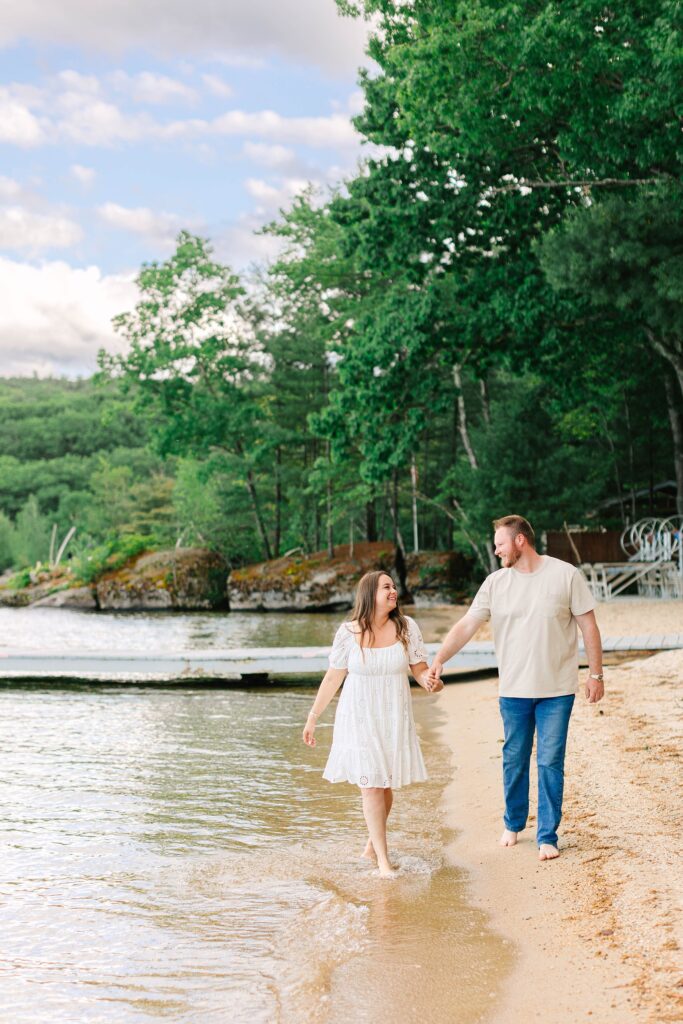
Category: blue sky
[117,130]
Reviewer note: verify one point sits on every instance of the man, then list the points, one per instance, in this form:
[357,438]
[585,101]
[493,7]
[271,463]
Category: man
[534,602]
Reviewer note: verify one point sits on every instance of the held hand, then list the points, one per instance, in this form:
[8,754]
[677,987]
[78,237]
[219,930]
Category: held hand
[433,677]
[594,690]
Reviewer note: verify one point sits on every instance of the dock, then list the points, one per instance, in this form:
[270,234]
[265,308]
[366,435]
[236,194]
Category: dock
[248,665]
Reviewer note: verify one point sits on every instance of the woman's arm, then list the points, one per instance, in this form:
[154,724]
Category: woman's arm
[420,673]
[332,680]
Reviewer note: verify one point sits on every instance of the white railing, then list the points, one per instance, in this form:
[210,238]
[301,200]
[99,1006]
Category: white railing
[654,549]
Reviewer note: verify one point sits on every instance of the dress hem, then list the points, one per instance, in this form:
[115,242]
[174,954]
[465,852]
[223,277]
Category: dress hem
[352,782]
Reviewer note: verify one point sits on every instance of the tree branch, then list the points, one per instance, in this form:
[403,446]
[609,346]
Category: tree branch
[514,186]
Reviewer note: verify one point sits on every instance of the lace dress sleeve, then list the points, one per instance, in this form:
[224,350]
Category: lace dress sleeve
[417,651]
[339,655]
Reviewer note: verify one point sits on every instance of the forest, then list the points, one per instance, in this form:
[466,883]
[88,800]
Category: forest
[485,319]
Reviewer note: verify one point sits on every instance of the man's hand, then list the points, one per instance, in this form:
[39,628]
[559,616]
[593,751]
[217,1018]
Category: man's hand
[595,690]
[434,681]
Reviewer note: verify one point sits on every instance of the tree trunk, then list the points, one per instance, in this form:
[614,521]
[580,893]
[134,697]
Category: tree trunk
[672,350]
[330,527]
[463,430]
[413,483]
[631,457]
[370,521]
[676,421]
[393,508]
[615,466]
[462,420]
[251,488]
[316,529]
[278,500]
[485,402]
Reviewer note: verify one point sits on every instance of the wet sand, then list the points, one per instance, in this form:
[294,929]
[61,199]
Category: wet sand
[598,932]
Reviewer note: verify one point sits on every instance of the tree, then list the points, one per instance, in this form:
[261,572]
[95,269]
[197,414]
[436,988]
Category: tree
[193,360]
[624,255]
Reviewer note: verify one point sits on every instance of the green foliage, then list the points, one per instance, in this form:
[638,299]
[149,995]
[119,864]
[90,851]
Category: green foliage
[525,464]
[483,319]
[31,539]
[110,555]
[20,579]
[625,255]
[6,545]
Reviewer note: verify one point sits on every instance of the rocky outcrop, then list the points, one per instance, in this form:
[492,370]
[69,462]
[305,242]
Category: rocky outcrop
[186,579]
[84,598]
[320,583]
[437,577]
[307,582]
[18,590]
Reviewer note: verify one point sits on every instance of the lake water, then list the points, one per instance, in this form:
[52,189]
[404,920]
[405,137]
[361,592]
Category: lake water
[174,855]
[62,629]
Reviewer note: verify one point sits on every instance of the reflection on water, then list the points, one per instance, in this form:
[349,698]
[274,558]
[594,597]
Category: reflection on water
[176,856]
[63,629]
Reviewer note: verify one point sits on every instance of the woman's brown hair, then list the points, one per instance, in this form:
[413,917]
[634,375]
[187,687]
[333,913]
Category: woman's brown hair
[364,609]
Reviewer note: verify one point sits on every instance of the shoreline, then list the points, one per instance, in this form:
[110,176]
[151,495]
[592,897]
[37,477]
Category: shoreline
[595,932]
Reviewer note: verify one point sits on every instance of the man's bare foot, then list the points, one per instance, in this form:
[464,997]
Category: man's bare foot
[508,838]
[547,852]
[369,852]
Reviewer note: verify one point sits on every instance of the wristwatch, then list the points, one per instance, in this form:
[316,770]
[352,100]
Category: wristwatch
[599,677]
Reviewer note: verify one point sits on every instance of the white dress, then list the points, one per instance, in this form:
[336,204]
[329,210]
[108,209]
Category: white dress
[374,741]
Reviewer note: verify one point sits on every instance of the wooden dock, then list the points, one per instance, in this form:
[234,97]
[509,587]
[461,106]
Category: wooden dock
[249,665]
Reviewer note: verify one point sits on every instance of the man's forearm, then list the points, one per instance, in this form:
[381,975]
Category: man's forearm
[457,637]
[592,643]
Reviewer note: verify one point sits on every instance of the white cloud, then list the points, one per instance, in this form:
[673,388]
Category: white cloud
[238,60]
[18,125]
[9,188]
[239,246]
[92,122]
[300,30]
[26,231]
[334,131]
[274,197]
[216,86]
[73,108]
[74,81]
[269,156]
[84,175]
[157,226]
[55,317]
[149,87]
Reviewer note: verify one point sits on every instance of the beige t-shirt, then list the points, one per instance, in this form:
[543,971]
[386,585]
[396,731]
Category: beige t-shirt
[534,629]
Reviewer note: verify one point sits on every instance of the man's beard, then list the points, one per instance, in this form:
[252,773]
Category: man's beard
[510,560]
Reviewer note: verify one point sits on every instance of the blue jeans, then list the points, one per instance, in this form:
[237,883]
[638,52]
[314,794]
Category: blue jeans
[549,718]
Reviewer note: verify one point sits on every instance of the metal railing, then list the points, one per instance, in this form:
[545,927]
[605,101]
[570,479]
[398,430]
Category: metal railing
[654,549]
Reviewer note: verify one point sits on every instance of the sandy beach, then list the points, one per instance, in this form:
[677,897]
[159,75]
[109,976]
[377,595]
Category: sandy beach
[598,932]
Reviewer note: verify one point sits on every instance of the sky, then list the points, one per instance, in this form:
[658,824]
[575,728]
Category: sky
[123,122]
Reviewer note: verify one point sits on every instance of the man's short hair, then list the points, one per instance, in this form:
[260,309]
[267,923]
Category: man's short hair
[516,525]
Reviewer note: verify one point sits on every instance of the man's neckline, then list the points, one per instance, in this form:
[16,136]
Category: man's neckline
[536,572]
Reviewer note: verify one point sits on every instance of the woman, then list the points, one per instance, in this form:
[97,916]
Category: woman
[374,744]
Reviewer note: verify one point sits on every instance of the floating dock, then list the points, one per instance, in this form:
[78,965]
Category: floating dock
[245,666]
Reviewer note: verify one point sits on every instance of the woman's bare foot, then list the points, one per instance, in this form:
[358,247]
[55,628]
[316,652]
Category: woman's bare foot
[547,852]
[508,838]
[387,870]
[369,852]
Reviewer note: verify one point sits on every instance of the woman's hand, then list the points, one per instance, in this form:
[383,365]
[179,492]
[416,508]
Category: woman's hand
[422,675]
[309,731]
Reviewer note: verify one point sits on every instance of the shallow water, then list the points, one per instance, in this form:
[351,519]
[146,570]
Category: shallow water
[175,855]
[65,629]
